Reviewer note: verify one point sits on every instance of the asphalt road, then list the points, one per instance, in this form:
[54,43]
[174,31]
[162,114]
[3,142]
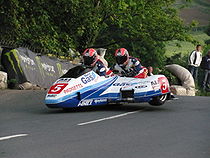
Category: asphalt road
[178,129]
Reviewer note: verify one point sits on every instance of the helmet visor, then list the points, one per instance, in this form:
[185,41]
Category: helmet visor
[121,59]
[88,60]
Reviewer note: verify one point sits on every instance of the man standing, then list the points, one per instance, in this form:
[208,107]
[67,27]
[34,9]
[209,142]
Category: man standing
[205,65]
[194,61]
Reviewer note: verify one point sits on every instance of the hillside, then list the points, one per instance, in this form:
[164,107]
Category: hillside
[198,10]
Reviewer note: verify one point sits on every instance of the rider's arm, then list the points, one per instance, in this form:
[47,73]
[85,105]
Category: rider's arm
[137,65]
[101,70]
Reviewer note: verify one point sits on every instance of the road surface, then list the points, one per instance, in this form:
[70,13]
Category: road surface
[28,129]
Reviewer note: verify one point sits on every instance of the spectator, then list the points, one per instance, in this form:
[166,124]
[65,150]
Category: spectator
[194,61]
[205,65]
[150,70]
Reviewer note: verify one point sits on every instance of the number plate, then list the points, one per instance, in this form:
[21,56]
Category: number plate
[57,88]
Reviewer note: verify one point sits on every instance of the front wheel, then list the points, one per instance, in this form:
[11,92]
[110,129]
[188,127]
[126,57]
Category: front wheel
[158,100]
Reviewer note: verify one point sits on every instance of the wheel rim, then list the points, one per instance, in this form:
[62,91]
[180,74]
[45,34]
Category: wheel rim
[163,97]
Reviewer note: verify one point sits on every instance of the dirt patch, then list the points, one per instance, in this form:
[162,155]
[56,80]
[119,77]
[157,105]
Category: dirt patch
[190,14]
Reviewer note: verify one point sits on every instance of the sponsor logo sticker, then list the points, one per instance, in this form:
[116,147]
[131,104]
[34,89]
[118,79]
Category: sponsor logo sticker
[27,60]
[85,102]
[73,88]
[88,77]
[63,80]
[124,84]
[141,86]
[57,88]
[154,82]
[164,85]
[99,100]
[51,95]
[155,85]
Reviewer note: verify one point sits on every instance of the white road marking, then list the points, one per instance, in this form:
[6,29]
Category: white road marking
[13,136]
[108,118]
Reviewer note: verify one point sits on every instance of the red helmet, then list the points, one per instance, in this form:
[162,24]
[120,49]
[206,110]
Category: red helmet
[121,56]
[90,57]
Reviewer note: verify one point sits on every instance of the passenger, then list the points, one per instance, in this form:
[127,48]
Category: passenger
[126,65]
[91,60]
[150,71]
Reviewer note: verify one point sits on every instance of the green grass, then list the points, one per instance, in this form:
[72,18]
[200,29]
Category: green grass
[186,47]
[201,92]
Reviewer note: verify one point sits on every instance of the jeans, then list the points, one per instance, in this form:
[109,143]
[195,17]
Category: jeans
[206,79]
[194,71]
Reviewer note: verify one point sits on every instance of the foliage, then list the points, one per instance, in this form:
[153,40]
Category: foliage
[141,26]
[201,92]
[208,30]
[183,47]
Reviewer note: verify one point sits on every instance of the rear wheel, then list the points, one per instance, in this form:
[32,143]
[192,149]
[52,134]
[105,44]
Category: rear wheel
[158,100]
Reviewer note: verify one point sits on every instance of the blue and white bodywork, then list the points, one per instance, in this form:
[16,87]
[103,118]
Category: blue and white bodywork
[90,89]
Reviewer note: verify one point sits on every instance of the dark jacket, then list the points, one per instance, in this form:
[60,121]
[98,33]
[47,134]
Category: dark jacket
[205,64]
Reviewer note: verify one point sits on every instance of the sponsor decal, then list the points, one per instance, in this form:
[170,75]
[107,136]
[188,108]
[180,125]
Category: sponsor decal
[9,56]
[85,102]
[64,71]
[29,63]
[57,88]
[48,67]
[141,86]
[164,85]
[155,85]
[60,70]
[154,82]
[73,88]
[124,84]
[27,60]
[88,77]
[63,80]
[121,84]
[51,95]
[100,100]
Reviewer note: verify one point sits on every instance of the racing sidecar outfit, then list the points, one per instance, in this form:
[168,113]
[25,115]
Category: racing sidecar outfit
[131,69]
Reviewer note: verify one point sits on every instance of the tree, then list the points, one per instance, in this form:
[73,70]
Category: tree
[141,26]
[208,29]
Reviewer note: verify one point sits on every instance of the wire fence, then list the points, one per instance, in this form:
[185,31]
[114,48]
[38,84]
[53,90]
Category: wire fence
[11,44]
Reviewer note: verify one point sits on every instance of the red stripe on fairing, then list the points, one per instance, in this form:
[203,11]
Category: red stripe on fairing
[110,73]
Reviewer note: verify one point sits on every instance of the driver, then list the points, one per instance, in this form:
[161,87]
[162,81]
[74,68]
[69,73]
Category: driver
[125,64]
[91,60]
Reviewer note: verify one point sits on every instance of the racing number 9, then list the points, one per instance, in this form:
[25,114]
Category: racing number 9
[57,88]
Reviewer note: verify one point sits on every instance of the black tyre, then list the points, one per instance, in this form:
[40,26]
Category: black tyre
[68,109]
[158,100]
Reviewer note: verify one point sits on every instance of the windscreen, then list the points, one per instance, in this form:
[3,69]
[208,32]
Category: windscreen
[76,72]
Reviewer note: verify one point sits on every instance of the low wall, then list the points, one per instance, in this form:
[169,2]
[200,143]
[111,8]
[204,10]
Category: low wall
[23,65]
